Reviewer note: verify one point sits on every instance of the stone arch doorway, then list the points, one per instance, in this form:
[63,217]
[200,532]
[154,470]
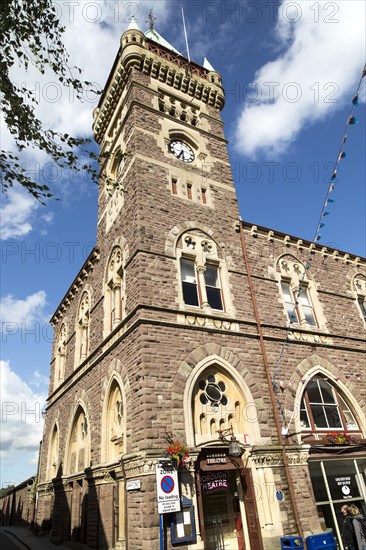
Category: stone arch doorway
[226,502]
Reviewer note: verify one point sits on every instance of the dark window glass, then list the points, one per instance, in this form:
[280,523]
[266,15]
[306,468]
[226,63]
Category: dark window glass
[190,296]
[203,399]
[313,392]
[319,416]
[213,289]
[332,413]
[214,297]
[213,392]
[189,282]
[304,421]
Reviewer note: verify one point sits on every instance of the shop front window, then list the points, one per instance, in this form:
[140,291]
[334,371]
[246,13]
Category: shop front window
[336,483]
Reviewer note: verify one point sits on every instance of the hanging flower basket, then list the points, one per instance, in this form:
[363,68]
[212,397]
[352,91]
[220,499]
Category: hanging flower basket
[176,451]
[338,438]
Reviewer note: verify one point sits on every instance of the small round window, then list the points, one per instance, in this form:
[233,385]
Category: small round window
[212,392]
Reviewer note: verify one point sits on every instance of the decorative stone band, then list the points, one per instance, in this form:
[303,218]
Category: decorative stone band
[271,457]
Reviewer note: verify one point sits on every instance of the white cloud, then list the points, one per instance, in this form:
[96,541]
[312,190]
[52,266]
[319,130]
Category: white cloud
[38,380]
[17,213]
[323,46]
[21,419]
[92,38]
[23,312]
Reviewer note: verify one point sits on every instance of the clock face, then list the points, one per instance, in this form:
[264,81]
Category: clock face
[181,150]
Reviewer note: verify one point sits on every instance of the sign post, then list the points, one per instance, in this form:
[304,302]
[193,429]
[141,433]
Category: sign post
[167,490]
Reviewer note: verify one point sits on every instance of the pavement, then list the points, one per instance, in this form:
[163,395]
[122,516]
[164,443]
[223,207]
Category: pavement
[24,538]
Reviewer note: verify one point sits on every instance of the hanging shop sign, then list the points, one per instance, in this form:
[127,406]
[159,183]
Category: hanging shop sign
[214,481]
[167,489]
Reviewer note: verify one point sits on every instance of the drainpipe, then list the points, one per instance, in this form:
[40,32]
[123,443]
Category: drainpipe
[269,380]
[125,512]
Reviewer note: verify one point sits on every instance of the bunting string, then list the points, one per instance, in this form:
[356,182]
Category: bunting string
[325,211]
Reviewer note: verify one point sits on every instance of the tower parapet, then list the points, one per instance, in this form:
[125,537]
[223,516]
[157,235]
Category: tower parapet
[160,62]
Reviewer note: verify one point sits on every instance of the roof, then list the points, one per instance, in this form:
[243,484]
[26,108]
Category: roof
[153,35]
[207,65]
[133,25]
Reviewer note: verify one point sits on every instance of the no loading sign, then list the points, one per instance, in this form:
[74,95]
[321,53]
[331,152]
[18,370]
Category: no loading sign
[167,484]
[167,489]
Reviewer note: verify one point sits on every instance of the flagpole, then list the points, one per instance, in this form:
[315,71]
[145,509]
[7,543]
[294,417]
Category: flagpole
[185,34]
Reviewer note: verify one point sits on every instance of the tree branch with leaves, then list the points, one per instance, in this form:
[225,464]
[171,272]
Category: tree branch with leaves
[31,35]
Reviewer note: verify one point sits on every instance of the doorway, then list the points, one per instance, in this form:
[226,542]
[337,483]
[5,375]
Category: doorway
[221,510]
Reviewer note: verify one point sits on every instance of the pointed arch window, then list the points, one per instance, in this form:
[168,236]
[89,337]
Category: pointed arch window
[60,359]
[217,404]
[114,291]
[201,273]
[299,294]
[360,289]
[323,408]
[79,446]
[83,328]
[53,455]
[115,423]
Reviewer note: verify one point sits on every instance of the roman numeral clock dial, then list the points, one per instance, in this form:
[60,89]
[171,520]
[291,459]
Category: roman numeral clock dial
[181,150]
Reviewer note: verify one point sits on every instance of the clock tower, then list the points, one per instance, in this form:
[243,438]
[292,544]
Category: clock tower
[147,336]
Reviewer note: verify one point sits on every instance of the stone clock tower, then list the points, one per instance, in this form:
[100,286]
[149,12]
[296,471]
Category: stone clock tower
[155,335]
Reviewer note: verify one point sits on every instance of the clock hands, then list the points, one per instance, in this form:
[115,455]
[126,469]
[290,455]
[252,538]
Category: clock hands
[181,151]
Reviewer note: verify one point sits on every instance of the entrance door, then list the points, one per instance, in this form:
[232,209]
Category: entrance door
[222,518]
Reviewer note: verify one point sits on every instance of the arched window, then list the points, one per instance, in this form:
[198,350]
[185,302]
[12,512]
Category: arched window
[83,328]
[79,444]
[203,273]
[114,292]
[115,424]
[217,404]
[359,283]
[52,466]
[60,358]
[299,294]
[323,408]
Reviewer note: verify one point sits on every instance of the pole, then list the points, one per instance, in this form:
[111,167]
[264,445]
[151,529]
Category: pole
[269,381]
[161,532]
[185,34]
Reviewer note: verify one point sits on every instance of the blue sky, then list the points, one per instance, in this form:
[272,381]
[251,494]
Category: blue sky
[290,70]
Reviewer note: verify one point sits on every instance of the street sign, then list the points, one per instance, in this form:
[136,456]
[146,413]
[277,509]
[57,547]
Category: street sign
[167,489]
